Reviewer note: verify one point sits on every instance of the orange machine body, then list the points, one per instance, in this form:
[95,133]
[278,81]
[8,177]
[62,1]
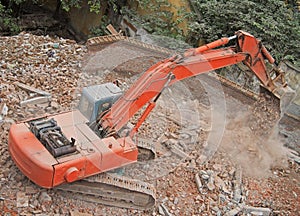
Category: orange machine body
[93,155]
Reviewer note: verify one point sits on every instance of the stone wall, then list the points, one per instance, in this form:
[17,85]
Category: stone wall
[293,80]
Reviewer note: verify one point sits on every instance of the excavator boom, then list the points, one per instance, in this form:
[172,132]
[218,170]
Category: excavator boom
[248,50]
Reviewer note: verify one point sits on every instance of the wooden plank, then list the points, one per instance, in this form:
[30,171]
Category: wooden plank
[36,100]
[111,29]
[31,89]
[41,96]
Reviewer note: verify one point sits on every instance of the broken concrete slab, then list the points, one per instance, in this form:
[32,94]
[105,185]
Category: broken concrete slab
[44,197]
[22,200]
[256,210]
[38,97]
[233,212]
[210,185]
[36,100]
[31,89]
[198,182]
[164,210]
[237,190]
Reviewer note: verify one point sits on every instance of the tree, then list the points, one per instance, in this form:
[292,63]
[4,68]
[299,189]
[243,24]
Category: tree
[8,24]
[271,20]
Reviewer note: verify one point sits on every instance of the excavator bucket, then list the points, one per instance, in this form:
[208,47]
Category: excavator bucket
[278,88]
[285,96]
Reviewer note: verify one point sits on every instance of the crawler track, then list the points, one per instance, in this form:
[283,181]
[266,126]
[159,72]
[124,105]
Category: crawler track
[114,190]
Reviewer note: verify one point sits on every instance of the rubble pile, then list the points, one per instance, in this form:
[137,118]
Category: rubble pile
[219,187]
[40,62]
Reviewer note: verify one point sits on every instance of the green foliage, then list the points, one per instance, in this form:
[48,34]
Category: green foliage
[8,24]
[18,2]
[271,20]
[100,30]
[95,6]
[68,4]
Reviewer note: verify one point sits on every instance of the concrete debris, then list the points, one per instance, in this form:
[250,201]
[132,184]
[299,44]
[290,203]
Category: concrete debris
[205,176]
[77,213]
[176,200]
[4,110]
[294,158]
[31,89]
[22,200]
[210,185]
[32,77]
[234,212]
[257,211]
[36,96]
[232,171]
[164,211]
[171,135]
[198,182]
[295,194]
[176,150]
[36,100]
[31,190]
[172,144]
[222,198]
[219,183]
[44,197]
[237,191]
[160,210]
[179,123]
[37,212]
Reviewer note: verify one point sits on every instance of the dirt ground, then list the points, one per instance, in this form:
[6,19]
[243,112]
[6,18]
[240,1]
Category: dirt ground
[227,140]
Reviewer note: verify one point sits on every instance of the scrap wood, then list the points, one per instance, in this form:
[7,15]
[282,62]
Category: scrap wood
[31,89]
[112,30]
[40,96]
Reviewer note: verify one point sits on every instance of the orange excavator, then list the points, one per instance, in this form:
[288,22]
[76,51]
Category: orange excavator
[71,147]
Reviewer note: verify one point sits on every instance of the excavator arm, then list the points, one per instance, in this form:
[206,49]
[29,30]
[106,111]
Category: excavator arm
[150,85]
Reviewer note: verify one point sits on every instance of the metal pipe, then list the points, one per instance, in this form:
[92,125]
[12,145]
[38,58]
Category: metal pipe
[214,44]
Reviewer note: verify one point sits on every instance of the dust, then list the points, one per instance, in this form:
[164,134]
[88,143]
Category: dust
[255,151]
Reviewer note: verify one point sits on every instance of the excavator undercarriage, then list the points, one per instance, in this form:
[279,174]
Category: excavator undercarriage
[113,190]
[106,188]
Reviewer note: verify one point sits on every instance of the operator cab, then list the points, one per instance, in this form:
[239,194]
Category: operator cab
[97,99]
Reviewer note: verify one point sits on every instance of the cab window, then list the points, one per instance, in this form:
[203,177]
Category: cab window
[85,107]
